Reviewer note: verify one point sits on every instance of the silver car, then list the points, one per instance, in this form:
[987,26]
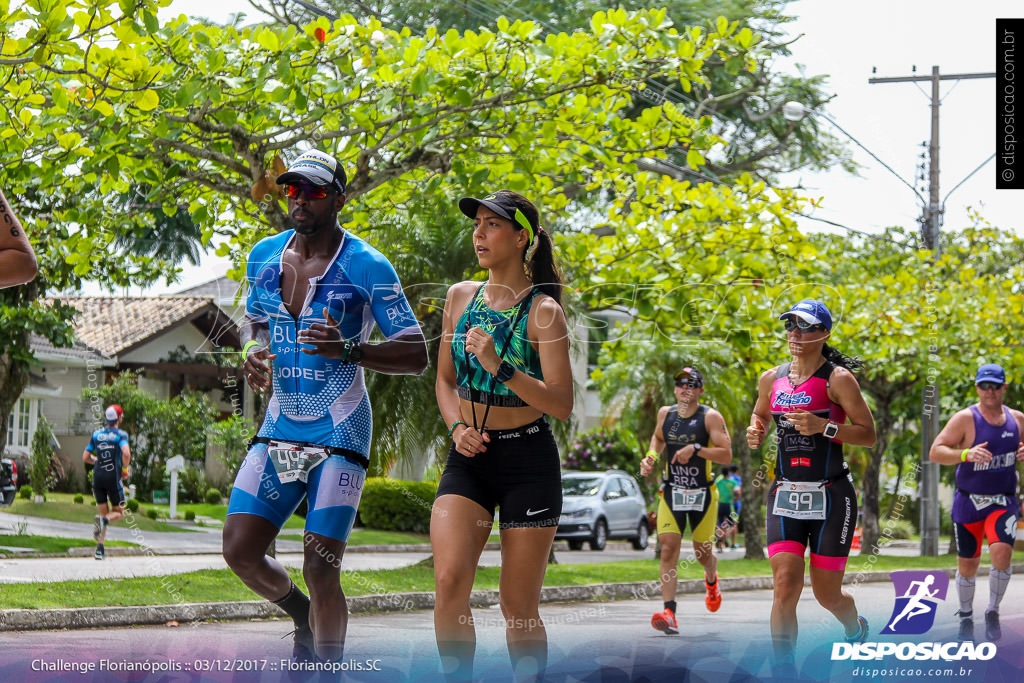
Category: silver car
[597,506]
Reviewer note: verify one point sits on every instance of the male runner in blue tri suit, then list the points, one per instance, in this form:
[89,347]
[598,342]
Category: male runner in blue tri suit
[108,453]
[314,294]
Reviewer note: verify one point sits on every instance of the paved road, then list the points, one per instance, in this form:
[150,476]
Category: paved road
[606,641]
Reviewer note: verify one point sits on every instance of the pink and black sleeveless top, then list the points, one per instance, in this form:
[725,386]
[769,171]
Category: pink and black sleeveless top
[801,457]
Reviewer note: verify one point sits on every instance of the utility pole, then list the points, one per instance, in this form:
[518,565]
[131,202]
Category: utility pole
[931,222]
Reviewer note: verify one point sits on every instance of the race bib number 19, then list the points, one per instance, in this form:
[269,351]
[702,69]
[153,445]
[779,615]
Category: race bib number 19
[800,500]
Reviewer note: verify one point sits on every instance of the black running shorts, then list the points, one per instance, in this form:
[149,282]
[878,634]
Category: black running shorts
[519,474]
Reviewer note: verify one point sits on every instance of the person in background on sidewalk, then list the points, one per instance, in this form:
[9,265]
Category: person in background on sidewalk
[726,524]
[984,442]
[692,437]
[737,502]
[17,260]
[109,454]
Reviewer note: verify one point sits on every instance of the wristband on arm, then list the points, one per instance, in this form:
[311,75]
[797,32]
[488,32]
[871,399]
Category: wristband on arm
[963,456]
[248,345]
[455,424]
[652,453]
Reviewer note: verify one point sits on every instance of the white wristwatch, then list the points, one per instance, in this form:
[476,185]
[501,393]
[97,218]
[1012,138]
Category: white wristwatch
[830,431]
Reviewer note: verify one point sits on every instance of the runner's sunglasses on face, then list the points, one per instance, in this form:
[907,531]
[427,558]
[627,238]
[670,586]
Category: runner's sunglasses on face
[688,383]
[794,323]
[310,191]
[989,386]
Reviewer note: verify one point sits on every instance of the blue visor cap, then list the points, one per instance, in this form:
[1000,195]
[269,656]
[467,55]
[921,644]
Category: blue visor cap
[812,311]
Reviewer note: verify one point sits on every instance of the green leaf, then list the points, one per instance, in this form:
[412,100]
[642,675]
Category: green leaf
[147,100]
[152,24]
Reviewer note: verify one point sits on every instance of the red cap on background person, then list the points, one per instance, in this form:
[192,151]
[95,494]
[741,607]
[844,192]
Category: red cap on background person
[113,413]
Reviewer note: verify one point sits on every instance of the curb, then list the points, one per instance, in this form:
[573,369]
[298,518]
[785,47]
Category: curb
[98,617]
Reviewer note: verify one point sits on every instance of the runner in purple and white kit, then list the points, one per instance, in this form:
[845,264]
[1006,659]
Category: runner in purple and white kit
[984,442]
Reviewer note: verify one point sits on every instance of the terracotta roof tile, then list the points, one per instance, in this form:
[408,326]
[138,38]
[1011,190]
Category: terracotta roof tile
[113,324]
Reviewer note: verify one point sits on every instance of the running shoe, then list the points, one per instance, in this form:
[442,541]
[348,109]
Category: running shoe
[713,599]
[862,634]
[303,645]
[97,527]
[665,622]
[993,632]
[966,629]
[99,555]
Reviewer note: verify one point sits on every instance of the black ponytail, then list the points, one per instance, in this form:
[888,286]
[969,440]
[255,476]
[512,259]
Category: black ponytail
[542,268]
[837,357]
[541,265]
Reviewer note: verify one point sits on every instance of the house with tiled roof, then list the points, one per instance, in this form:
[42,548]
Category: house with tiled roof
[170,340]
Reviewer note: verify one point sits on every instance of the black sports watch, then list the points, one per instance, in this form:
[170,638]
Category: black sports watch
[353,352]
[505,372]
[696,448]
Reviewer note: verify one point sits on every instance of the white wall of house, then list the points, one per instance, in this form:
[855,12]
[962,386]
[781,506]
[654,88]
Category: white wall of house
[186,335]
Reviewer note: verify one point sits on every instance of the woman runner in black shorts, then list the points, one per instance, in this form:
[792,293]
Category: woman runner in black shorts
[503,364]
[812,503]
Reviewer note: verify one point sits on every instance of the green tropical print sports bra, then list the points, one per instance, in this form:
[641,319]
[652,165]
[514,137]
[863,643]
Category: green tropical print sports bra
[476,384]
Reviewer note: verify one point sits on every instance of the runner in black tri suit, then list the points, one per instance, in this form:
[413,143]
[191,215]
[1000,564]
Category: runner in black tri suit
[503,364]
[108,453]
[812,504]
[984,442]
[692,437]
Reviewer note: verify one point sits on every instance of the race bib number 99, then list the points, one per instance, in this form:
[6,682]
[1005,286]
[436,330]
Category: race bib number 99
[688,500]
[294,463]
[800,500]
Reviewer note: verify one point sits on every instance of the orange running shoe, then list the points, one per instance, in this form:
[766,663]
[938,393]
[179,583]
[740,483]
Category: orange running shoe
[665,622]
[714,597]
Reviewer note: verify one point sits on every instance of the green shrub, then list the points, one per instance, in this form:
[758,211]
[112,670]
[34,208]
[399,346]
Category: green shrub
[213,496]
[393,505]
[79,499]
[192,481]
[603,449]
[26,492]
[152,513]
[190,515]
[132,505]
[899,529]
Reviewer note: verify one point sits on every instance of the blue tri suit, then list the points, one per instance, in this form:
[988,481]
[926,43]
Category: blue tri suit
[318,400]
[106,444]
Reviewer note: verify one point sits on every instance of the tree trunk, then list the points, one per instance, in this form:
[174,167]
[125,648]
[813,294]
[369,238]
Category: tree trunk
[13,380]
[895,489]
[752,494]
[869,529]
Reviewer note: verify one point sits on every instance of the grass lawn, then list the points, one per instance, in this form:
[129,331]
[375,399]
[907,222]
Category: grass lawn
[50,544]
[372,537]
[61,506]
[219,512]
[217,585]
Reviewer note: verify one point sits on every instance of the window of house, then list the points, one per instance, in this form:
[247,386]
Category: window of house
[22,422]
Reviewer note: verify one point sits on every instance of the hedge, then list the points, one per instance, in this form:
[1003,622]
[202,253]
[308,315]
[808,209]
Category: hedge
[393,505]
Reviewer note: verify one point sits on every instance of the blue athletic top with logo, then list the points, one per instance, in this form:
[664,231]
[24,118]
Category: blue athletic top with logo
[106,444]
[321,400]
